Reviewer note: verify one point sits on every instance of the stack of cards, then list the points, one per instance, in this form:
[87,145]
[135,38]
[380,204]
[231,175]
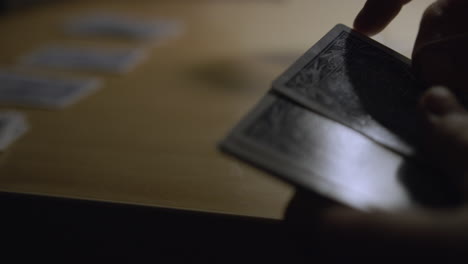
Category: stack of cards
[342,121]
[112,25]
[12,126]
[26,90]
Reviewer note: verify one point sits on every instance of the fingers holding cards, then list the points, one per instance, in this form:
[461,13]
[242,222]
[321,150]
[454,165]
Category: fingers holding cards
[342,122]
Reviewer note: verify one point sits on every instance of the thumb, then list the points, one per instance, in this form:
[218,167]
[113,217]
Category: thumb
[446,131]
[440,101]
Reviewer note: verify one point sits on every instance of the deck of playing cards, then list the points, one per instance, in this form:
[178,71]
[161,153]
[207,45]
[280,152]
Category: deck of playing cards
[341,121]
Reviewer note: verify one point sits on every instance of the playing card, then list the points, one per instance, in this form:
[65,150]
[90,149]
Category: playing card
[342,122]
[318,154]
[34,91]
[85,58]
[115,25]
[12,126]
[359,83]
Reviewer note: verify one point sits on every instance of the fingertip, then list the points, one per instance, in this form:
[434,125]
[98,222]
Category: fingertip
[439,101]
[376,15]
[361,24]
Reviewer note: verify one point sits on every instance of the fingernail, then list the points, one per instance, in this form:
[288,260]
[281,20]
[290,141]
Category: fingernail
[439,101]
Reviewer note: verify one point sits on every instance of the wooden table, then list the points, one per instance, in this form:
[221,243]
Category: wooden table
[149,137]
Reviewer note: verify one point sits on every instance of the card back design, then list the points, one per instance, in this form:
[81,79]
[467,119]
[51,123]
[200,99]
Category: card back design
[359,83]
[316,153]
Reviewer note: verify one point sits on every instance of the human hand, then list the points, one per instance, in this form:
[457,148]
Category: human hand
[342,235]
[440,56]
[426,233]
[439,59]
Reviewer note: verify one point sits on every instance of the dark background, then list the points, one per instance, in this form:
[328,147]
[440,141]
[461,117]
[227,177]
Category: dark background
[72,231]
